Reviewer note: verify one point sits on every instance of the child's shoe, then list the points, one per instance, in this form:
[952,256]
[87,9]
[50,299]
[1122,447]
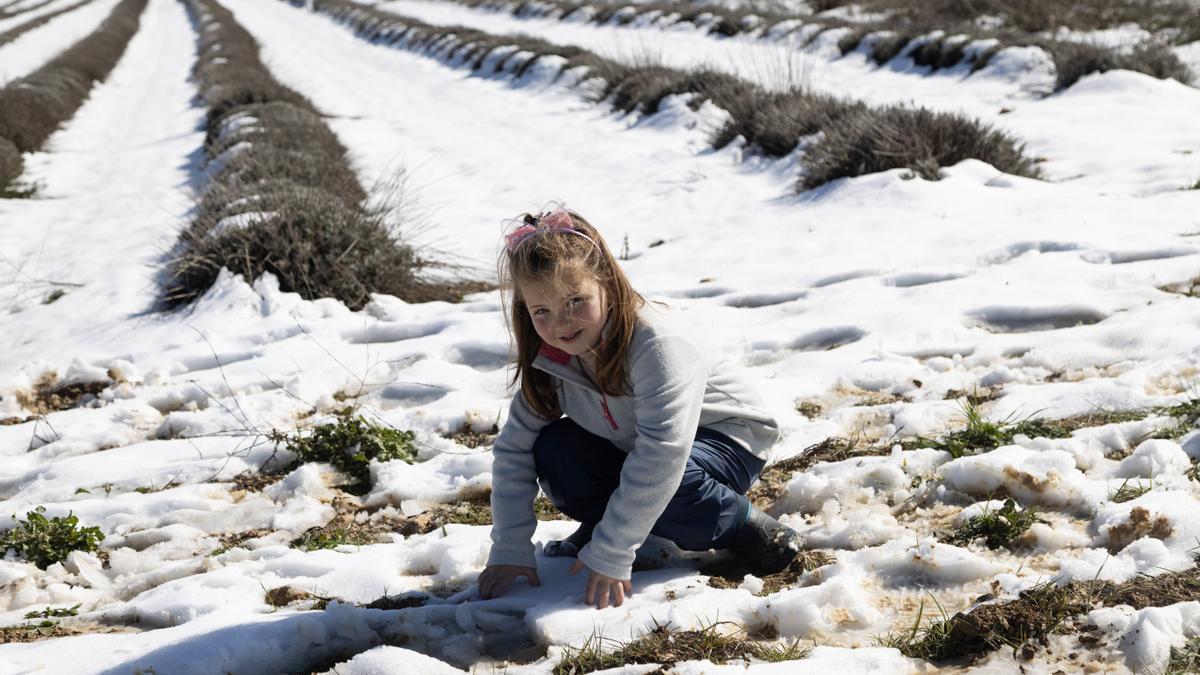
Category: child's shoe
[765,544]
[569,547]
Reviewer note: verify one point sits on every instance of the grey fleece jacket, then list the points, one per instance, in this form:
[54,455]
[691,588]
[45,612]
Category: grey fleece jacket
[679,383]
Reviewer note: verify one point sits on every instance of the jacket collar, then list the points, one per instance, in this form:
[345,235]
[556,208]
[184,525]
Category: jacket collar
[559,364]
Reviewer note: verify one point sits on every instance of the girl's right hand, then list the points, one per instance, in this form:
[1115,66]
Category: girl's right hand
[494,580]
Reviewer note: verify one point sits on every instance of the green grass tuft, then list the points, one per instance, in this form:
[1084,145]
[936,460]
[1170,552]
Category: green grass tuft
[1185,659]
[997,528]
[317,540]
[1128,493]
[981,434]
[45,541]
[349,443]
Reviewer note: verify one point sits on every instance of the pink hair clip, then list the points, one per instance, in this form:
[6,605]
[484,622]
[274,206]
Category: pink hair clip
[556,220]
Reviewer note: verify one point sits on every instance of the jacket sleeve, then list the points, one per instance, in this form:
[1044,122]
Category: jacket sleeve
[514,486]
[669,378]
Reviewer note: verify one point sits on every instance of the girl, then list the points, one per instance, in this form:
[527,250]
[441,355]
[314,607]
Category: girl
[629,422]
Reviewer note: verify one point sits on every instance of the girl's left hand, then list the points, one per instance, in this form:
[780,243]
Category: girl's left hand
[599,586]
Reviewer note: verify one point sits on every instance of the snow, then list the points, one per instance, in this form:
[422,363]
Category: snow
[877,297]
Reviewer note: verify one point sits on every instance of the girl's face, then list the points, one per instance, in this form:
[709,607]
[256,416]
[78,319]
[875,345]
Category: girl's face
[568,312]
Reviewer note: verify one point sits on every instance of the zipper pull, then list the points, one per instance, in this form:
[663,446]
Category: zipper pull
[604,404]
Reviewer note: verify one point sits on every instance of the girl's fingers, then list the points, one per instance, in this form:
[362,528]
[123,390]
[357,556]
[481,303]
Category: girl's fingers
[618,594]
[591,590]
[602,601]
[576,566]
[532,576]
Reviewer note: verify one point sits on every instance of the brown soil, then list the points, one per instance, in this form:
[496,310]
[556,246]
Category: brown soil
[729,573]
[398,602]
[464,435]
[47,397]
[286,595]
[976,397]
[34,630]
[236,539]
[1139,525]
[255,481]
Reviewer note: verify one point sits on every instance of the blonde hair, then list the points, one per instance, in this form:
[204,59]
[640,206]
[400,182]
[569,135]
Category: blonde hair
[549,253]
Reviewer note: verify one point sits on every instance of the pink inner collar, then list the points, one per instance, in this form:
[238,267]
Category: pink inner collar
[555,354]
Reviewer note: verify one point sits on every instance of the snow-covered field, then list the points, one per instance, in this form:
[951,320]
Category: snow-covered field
[866,303]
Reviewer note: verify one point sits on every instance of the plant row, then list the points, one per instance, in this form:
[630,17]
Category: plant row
[33,107]
[281,195]
[17,31]
[849,138]
[936,35]
[7,11]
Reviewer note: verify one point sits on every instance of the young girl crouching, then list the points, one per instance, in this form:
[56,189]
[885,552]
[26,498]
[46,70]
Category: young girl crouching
[629,422]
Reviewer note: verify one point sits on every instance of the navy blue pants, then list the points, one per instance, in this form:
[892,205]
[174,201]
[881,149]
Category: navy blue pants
[579,471]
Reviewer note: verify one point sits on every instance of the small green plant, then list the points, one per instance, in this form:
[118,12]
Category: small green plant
[1194,472]
[1185,659]
[997,528]
[929,642]
[349,443]
[45,541]
[1127,492]
[54,612]
[317,539]
[981,434]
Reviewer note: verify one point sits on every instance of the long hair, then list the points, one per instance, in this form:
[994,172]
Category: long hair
[547,254]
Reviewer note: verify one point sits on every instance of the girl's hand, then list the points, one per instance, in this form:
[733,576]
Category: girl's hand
[494,580]
[599,586]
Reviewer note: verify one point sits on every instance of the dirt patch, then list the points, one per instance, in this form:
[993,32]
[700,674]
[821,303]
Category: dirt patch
[286,595]
[976,396]
[1028,480]
[405,601]
[1189,288]
[236,539]
[256,481]
[730,573]
[718,643]
[35,631]
[1139,525]
[464,435]
[48,396]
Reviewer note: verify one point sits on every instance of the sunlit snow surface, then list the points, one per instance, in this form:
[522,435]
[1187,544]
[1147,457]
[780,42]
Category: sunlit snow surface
[873,297]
